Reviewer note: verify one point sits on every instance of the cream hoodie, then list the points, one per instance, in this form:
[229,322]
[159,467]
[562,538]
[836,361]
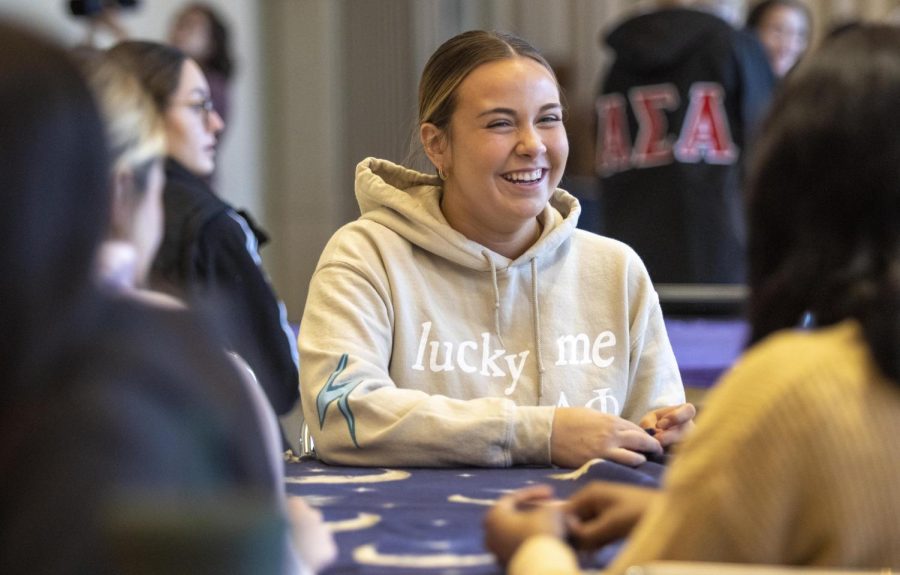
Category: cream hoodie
[419,347]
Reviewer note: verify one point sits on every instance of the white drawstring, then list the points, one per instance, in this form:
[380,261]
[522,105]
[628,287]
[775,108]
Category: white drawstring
[536,323]
[496,297]
[536,317]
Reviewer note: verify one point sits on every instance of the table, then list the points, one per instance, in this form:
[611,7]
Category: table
[429,521]
[705,348]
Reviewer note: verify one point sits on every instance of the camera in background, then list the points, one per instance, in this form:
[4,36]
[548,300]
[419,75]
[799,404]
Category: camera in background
[90,8]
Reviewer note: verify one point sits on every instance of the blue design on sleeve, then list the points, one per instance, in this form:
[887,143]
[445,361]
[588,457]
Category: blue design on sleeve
[339,392]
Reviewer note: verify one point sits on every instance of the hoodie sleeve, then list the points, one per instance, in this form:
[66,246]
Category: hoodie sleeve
[654,378]
[356,412]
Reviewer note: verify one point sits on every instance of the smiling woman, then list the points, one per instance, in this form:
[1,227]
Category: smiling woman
[506,155]
[451,324]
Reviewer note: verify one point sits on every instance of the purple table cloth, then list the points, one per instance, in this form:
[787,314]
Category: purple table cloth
[429,521]
[705,348]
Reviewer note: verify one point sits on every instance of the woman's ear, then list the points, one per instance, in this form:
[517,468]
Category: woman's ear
[434,143]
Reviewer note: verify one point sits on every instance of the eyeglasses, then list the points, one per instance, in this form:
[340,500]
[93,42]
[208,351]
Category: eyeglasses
[202,108]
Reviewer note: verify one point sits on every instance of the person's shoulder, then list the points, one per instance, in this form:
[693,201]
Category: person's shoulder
[141,354]
[150,333]
[226,222]
[596,247]
[801,349]
[362,239]
[223,235]
[794,367]
[186,195]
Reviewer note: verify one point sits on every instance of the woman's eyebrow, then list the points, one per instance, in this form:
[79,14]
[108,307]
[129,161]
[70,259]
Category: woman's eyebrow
[511,112]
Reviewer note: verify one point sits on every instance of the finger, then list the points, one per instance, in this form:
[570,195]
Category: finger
[593,534]
[587,501]
[668,437]
[640,441]
[675,434]
[681,414]
[626,457]
[506,503]
[649,420]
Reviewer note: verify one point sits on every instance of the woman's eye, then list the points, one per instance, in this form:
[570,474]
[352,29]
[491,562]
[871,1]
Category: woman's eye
[500,124]
[550,118]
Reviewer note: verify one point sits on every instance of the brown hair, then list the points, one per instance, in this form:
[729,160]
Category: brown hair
[455,59]
[157,67]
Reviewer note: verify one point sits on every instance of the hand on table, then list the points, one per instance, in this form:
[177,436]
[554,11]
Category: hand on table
[580,434]
[520,515]
[603,511]
[312,538]
[671,424]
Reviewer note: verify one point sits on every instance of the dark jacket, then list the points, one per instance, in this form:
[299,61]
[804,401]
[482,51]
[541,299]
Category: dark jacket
[677,112]
[131,450]
[210,255]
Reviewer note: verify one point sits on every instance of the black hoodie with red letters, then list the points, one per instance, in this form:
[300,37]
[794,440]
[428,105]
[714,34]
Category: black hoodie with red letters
[676,113]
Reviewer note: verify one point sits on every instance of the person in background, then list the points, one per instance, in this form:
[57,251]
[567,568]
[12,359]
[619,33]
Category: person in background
[463,319]
[210,252]
[126,442]
[795,459]
[200,32]
[137,143]
[136,136]
[676,114]
[783,27]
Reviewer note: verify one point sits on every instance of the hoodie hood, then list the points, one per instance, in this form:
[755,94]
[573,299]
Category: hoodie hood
[663,38]
[408,203]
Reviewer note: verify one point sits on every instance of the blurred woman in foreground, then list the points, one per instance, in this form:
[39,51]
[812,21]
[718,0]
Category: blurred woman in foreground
[122,451]
[795,458]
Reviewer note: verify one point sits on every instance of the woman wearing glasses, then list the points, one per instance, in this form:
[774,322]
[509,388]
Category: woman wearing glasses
[209,252]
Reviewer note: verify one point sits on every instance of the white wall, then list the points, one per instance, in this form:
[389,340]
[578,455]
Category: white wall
[240,179]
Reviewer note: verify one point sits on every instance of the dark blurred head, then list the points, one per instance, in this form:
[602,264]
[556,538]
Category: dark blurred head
[824,201]
[137,140]
[200,32]
[783,27]
[53,177]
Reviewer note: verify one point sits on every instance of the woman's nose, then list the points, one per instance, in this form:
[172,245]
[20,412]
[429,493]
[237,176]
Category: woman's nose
[530,142]
[215,123]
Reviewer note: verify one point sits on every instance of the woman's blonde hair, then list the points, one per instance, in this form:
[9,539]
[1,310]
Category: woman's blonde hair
[134,125]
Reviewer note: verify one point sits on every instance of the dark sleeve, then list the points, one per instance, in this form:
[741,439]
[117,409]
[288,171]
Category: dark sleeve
[255,319]
[757,82]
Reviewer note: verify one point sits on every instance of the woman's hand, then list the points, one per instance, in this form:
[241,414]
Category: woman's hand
[520,515]
[312,538]
[603,512]
[580,434]
[671,424]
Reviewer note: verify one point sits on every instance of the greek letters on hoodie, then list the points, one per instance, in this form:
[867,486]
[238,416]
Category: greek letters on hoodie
[676,116]
[420,347]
